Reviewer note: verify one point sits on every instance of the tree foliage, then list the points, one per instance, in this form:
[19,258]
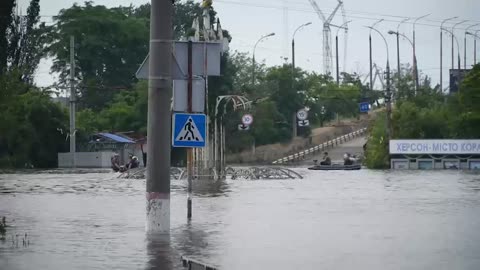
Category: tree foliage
[32,127]
[22,41]
[110,45]
[428,115]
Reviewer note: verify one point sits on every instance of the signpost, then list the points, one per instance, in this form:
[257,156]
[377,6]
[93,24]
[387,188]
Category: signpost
[243,127]
[189,130]
[364,107]
[247,119]
[303,123]
[302,115]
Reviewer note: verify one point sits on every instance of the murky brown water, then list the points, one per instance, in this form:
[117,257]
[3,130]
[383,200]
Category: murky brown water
[329,220]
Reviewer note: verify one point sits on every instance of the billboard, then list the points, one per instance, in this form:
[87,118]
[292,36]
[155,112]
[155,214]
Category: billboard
[408,147]
[456,78]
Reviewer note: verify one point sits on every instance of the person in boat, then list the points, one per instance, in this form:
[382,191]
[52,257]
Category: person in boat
[133,163]
[116,167]
[326,160]
[347,159]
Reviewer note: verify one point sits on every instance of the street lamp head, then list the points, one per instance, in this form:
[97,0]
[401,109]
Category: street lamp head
[271,34]
[391,32]
[308,23]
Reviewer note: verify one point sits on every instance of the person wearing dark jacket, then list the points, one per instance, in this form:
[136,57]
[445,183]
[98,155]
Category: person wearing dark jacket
[326,160]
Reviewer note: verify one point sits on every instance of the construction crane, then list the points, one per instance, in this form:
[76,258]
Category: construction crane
[327,39]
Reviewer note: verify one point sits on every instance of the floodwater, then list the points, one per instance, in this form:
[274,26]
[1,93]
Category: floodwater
[328,220]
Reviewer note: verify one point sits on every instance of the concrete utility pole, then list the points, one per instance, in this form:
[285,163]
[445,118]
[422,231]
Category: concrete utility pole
[72,103]
[159,117]
[441,50]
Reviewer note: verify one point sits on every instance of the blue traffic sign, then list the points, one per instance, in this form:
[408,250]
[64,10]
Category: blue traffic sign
[364,107]
[189,130]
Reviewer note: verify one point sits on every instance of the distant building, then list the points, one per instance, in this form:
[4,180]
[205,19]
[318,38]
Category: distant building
[99,150]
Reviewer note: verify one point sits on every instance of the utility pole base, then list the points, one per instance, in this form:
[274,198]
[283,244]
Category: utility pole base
[158,213]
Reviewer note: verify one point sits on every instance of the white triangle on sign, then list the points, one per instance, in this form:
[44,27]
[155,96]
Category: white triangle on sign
[189,132]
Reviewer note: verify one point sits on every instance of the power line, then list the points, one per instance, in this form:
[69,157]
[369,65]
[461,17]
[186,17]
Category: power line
[256,5]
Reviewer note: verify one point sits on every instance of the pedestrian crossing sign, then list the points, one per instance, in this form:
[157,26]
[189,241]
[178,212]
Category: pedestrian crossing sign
[189,130]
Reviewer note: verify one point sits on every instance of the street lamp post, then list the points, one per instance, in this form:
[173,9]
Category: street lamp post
[293,42]
[370,46]
[253,58]
[441,50]
[475,48]
[388,94]
[458,48]
[415,67]
[403,35]
[453,50]
[398,47]
[465,45]
[475,36]
[343,26]
[294,123]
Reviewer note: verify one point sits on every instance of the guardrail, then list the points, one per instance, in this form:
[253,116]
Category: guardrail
[321,147]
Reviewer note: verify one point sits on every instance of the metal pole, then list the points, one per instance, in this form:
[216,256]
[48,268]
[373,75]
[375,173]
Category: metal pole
[294,125]
[72,103]
[415,72]
[222,154]
[159,118]
[474,51]
[293,56]
[441,51]
[370,41]
[398,57]
[216,158]
[253,69]
[189,150]
[388,94]
[453,54]
[465,52]
[441,60]
[336,59]
[371,64]
[465,43]
[415,53]
[388,103]
[398,47]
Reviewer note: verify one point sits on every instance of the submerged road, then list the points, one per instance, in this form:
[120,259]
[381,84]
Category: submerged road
[353,147]
[375,220]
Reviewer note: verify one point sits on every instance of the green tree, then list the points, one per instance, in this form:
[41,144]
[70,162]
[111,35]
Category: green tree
[32,127]
[110,45]
[22,40]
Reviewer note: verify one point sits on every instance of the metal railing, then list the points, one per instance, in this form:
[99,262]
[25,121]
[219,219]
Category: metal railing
[321,147]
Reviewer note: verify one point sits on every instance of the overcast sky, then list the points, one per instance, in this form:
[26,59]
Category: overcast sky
[248,20]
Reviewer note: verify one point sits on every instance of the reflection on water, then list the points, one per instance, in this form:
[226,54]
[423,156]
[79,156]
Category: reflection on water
[329,220]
